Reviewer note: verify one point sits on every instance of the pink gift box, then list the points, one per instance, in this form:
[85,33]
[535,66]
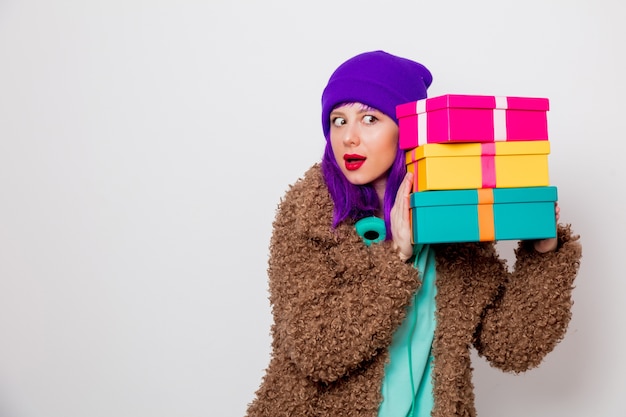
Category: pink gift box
[471,118]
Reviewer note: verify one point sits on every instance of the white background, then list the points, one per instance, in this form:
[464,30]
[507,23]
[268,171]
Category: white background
[144,146]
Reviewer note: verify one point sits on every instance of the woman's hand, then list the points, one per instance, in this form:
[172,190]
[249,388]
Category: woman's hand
[400,219]
[547,245]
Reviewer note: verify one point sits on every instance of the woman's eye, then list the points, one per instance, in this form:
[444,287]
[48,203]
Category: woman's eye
[339,121]
[369,119]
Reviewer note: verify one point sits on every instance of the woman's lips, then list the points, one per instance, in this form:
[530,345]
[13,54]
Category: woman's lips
[353,161]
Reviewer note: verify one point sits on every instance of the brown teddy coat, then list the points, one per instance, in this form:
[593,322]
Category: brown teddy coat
[337,302]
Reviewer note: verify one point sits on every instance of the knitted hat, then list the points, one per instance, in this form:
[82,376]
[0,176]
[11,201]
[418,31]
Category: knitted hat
[377,79]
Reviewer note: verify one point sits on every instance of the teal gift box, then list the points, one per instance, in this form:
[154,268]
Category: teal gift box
[485,214]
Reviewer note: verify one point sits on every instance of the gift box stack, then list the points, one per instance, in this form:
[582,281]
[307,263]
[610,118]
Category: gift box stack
[480,166]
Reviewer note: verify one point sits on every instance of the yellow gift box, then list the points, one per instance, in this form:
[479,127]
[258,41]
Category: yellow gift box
[454,166]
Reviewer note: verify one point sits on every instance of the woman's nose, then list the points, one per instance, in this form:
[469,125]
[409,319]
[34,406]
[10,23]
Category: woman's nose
[351,136]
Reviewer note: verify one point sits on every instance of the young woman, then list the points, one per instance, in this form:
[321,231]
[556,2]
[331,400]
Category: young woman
[385,328]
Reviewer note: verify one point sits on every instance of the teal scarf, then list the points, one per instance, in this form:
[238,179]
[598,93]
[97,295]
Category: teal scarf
[407,384]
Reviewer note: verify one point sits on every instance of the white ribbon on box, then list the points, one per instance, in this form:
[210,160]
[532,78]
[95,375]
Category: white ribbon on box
[422,122]
[499,119]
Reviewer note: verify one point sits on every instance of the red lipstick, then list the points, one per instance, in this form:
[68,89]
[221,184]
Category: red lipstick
[353,161]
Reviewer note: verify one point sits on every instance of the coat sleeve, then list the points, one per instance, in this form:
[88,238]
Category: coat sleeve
[335,301]
[533,309]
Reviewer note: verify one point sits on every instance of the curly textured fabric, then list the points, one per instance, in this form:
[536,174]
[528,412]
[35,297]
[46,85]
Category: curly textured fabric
[336,304]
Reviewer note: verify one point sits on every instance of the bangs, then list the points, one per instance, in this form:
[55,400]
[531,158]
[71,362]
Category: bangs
[352,103]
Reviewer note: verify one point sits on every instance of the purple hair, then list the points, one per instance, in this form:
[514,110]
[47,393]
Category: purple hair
[382,81]
[353,202]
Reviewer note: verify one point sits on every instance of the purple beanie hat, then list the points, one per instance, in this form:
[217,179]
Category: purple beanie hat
[377,79]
